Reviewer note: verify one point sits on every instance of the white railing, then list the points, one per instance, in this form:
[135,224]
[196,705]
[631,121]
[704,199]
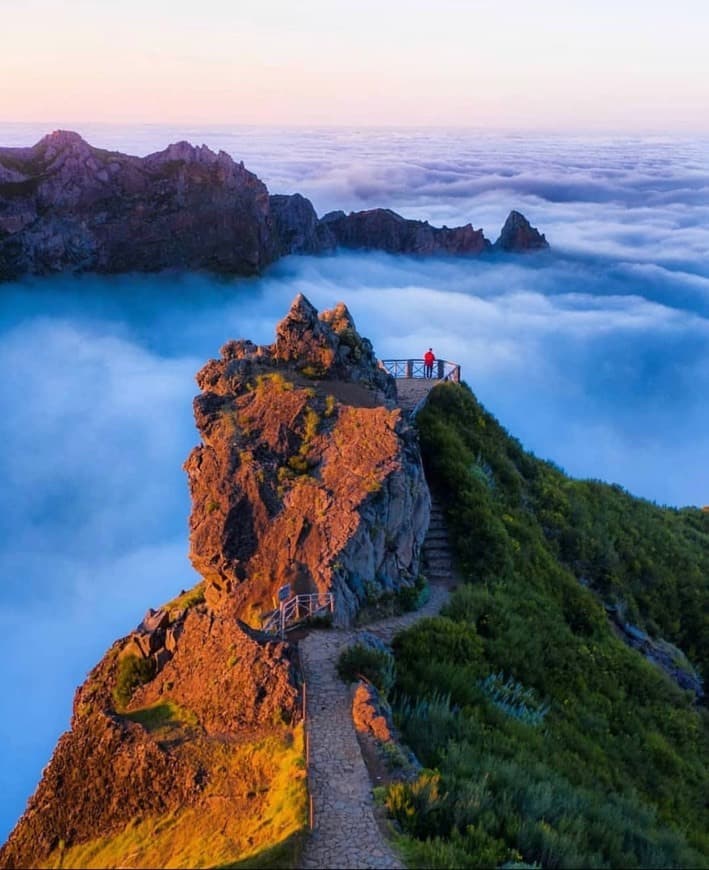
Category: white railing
[297,609]
[443,369]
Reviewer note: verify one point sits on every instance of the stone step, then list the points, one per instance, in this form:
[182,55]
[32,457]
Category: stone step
[436,534]
[443,567]
[436,546]
[438,576]
[438,550]
[437,523]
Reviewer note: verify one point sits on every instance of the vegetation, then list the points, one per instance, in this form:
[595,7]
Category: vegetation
[133,671]
[363,660]
[253,814]
[190,598]
[380,603]
[546,739]
[166,720]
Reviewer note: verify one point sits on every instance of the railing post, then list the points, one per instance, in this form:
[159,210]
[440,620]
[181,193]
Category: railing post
[441,369]
[409,368]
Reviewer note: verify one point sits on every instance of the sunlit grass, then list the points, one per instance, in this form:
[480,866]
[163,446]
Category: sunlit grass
[253,810]
[187,599]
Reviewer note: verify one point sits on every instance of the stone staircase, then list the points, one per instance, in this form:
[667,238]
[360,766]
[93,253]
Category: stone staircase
[437,559]
[412,390]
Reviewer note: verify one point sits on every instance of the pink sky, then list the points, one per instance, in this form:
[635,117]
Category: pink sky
[453,62]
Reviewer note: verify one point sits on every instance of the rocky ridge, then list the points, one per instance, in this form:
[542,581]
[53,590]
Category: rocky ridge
[65,205]
[307,474]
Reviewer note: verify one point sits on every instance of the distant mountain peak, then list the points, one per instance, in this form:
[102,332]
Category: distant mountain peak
[519,235]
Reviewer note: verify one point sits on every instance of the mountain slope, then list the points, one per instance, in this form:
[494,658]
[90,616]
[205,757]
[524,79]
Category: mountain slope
[67,206]
[553,739]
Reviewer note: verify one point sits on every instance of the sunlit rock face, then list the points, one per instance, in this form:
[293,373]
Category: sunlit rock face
[307,473]
[67,206]
[206,682]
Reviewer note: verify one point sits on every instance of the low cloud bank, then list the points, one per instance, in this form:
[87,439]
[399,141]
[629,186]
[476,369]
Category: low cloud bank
[595,355]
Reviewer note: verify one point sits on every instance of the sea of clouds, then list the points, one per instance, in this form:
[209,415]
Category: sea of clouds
[594,354]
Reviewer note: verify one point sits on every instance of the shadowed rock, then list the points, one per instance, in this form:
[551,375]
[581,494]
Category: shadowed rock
[385,230]
[66,206]
[518,235]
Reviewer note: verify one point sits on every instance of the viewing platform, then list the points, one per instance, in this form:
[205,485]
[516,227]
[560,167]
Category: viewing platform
[411,369]
[412,383]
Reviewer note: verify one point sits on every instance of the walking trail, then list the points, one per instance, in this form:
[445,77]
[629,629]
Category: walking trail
[345,831]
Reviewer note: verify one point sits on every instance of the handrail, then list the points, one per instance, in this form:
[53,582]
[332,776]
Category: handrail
[296,609]
[443,369]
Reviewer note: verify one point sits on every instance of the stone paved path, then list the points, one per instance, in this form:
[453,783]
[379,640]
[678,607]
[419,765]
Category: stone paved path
[345,832]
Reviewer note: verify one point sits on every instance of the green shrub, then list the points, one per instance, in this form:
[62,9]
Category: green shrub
[362,660]
[418,806]
[513,699]
[133,671]
[413,597]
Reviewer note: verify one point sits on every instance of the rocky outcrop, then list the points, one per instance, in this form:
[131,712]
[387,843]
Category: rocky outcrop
[65,205]
[208,682]
[297,227]
[385,230]
[369,715]
[307,474]
[518,236]
[664,655]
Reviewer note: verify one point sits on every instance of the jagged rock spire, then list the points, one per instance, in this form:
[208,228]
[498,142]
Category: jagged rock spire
[519,235]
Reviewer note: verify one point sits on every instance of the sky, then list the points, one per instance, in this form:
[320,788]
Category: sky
[557,66]
[594,354]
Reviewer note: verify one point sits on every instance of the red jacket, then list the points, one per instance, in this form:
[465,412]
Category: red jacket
[429,358]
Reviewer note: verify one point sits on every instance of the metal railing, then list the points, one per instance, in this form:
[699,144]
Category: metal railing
[297,609]
[443,369]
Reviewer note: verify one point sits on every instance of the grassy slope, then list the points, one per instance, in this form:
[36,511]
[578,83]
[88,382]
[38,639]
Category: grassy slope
[255,801]
[551,741]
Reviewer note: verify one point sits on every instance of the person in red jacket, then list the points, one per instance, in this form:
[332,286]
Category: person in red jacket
[428,360]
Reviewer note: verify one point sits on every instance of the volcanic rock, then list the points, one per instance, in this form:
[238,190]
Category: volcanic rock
[115,767]
[297,227]
[385,230]
[369,715]
[307,474]
[66,205]
[518,235]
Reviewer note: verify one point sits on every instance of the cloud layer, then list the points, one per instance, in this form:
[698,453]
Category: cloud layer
[595,355]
